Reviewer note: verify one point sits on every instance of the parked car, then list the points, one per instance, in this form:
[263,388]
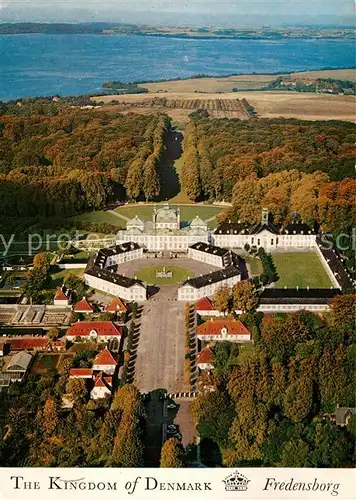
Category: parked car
[172,427]
[171,406]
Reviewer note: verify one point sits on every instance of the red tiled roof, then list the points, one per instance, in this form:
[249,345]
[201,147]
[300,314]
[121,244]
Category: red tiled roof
[81,372]
[204,304]
[205,356]
[104,357]
[116,305]
[83,306]
[22,343]
[99,382]
[234,327]
[60,295]
[83,328]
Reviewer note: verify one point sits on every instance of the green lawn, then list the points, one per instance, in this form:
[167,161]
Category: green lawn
[301,269]
[98,217]
[58,277]
[187,212]
[255,265]
[148,274]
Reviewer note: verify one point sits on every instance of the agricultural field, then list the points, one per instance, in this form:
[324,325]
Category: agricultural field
[300,269]
[267,104]
[240,82]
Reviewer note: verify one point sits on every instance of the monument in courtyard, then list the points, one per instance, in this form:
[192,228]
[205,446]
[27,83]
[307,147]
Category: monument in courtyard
[164,273]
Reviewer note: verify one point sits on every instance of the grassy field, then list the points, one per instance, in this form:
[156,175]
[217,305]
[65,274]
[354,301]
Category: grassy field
[148,274]
[255,265]
[272,104]
[187,212]
[300,269]
[58,277]
[98,217]
[240,82]
[45,362]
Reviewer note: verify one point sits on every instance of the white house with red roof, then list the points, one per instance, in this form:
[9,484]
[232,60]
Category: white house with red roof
[63,296]
[83,306]
[102,387]
[205,359]
[100,331]
[81,373]
[205,307]
[116,306]
[223,329]
[105,362]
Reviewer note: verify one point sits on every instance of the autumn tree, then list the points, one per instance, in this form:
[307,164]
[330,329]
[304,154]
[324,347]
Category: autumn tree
[222,299]
[244,296]
[53,333]
[76,389]
[172,454]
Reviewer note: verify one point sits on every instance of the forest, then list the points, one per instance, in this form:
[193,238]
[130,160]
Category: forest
[288,166]
[76,161]
[272,408]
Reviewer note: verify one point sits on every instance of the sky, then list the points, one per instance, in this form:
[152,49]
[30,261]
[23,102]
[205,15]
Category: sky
[195,12]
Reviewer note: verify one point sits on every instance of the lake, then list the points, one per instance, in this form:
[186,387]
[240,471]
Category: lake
[44,65]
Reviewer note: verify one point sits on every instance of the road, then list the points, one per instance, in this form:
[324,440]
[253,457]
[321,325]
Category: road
[160,357]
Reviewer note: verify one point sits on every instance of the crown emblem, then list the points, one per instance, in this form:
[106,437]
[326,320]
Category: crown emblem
[236,482]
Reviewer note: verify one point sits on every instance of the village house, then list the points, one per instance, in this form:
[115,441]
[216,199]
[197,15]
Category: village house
[105,362]
[81,373]
[116,306]
[342,415]
[102,387]
[223,329]
[32,343]
[83,307]
[206,307]
[100,331]
[63,297]
[205,359]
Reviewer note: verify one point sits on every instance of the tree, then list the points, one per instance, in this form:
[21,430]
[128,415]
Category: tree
[172,454]
[244,296]
[294,453]
[298,399]
[50,420]
[53,333]
[222,300]
[342,309]
[225,357]
[77,390]
[36,281]
[213,412]
[41,261]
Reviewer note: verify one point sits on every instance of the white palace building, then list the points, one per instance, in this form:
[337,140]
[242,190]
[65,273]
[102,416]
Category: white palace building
[165,231]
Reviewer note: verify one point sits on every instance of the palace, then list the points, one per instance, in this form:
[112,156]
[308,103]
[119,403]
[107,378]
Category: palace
[165,231]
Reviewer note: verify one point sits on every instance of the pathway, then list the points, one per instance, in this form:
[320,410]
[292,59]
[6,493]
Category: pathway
[118,215]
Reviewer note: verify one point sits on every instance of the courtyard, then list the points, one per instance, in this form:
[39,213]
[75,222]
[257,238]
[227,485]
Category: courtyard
[302,269]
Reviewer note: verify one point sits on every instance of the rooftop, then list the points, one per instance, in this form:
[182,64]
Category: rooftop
[211,249]
[104,357]
[213,277]
[83,306]
[204,304]
[205,356]
[298,295]
[215,327]
[102,328]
